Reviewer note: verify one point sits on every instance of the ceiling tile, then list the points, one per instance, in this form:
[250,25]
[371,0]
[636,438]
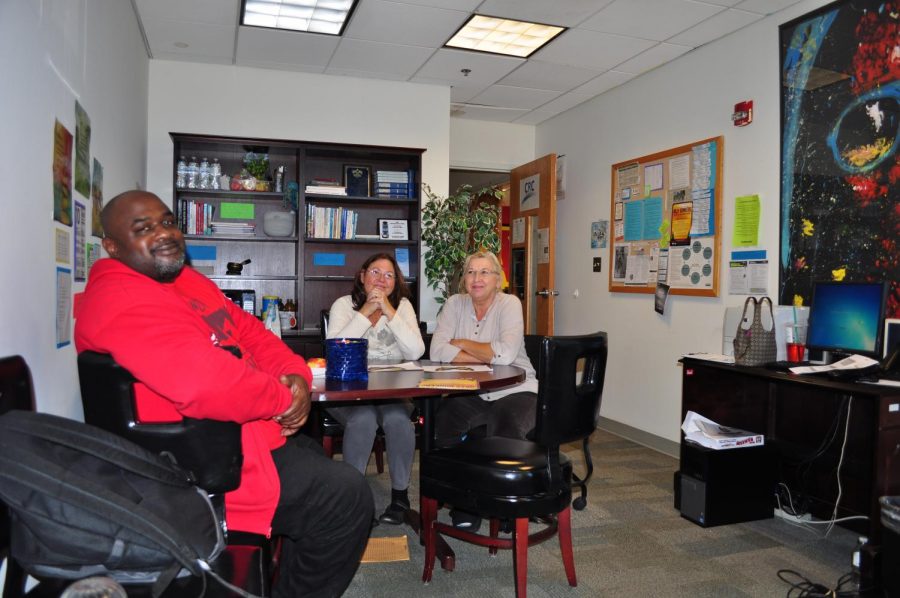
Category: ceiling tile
[204,41]
[265,46]
[650,19]
[765,7]
[652,58]
[460,93]
[592,49]
[409,24]
[604,82]
[514,97]
[485,69]
[722,2]
[727,21]
[545,75]
[566,13]
[211,12]
[361,55]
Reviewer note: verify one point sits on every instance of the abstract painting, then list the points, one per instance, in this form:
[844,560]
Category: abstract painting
[840,170]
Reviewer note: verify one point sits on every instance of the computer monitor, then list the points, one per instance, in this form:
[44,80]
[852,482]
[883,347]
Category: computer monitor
[846,318]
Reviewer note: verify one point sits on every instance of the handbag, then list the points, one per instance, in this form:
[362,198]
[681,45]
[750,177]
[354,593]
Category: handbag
[755,345]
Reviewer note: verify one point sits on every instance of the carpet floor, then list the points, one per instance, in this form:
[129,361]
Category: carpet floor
[628,541]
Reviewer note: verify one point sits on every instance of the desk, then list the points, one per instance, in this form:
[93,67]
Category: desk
[802,416]
[383,386]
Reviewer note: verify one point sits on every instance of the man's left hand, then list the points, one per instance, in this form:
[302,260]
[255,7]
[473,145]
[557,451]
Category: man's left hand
[295,416]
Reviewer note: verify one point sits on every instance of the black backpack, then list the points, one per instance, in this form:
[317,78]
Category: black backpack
[85,502]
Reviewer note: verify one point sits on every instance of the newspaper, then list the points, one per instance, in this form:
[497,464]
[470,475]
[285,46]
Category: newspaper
[854,362]
[708,433]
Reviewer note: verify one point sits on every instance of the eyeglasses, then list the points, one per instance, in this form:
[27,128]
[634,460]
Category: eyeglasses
[376,273]
[481,273]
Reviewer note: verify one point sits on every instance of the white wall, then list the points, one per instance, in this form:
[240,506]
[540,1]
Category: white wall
[481,145]
[687,100]
[53,52]
[249,102]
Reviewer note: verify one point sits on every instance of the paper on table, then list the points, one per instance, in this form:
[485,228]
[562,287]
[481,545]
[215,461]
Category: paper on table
[708,433]
[406,366]
[717,357]
[450,368]
[854,362]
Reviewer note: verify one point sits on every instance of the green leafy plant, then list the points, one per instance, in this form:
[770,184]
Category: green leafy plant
[454,227]
[257,165]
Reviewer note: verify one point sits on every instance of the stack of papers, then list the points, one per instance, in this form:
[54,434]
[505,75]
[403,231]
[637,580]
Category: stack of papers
[708,433]
[854,362]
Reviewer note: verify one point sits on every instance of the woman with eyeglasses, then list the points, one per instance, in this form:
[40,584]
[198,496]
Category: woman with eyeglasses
[379,310]
[483,325]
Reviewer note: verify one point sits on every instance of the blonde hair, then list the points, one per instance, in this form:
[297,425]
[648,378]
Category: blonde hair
[495,267]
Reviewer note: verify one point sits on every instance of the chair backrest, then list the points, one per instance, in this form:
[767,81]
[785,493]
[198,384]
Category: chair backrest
[16,392]
[16,389]
[533,349]
[567,407]
[323,324]
[210,449]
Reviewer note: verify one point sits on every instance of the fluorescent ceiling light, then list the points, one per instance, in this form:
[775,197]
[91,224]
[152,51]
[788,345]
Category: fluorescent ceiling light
[502,36]
[313,16]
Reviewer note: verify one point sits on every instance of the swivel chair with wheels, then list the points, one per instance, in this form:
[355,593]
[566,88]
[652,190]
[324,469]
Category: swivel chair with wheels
[506,478]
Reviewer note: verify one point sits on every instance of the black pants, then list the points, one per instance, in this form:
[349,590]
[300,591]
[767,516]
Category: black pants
[459,417]
[324,515]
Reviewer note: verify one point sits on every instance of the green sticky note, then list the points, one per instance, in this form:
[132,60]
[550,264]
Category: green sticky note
[236,211]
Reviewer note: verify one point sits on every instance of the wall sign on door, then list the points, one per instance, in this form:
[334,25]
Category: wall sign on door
[530,193]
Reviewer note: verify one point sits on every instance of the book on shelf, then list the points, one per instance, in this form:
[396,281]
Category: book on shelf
[326,189]
[328,222]
[194,216]
[401,254]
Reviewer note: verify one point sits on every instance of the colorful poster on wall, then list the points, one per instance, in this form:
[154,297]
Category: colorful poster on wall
[62,174]
[63,307]
[82,151]
[97,199]
[840,191]
[80,223]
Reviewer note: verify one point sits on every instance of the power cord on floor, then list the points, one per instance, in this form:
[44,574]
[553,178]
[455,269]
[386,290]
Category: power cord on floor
[801,587]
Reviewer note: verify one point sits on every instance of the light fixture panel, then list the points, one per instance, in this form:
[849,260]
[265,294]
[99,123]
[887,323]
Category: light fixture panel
[503,36]
[312,16]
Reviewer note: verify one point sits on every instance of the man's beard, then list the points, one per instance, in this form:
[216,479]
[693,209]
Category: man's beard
[168,271]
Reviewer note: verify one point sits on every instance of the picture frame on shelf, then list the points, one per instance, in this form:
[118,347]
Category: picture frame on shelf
[357,180]
[393,230]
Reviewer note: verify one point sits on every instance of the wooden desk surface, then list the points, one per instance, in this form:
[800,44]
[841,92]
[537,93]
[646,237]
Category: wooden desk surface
[400,385]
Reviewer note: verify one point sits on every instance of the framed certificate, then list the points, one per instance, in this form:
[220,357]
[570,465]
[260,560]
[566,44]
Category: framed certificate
[395,230]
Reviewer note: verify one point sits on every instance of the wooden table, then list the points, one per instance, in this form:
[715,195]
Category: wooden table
[387,386]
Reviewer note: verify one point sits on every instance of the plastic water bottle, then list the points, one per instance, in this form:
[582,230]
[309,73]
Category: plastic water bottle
[181,173]
[203,178]
[215,171]
[193,172]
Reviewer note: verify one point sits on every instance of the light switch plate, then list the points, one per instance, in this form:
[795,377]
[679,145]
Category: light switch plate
[598,264]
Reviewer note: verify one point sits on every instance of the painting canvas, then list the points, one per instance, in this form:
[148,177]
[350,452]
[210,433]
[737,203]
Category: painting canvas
[840,171]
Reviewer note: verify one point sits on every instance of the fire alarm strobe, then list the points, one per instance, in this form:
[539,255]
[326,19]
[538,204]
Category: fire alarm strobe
[743,113]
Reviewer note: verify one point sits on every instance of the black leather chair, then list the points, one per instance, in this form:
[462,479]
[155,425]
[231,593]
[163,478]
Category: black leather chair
[210,449]
[533,350]
[17,392]
[505,478]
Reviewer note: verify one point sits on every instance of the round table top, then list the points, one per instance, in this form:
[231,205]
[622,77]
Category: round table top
[405,384]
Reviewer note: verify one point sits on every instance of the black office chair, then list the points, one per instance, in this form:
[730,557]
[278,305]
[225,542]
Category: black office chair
[533,350]
[210,449]
[506,478]
[17,392]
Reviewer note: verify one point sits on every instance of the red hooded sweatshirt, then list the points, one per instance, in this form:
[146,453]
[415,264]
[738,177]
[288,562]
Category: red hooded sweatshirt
[170,337]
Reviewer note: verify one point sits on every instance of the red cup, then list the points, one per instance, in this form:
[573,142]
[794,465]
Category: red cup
[795,351]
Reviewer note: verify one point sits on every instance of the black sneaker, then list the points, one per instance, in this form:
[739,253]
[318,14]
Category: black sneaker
[394,514]
[465,521]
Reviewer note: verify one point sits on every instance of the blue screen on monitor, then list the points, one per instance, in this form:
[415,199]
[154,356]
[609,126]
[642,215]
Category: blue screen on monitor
[846,317]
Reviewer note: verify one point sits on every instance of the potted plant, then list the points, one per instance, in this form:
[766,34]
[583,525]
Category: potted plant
[454,227]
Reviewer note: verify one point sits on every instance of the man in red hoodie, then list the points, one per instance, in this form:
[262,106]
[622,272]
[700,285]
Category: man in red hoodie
[197,354]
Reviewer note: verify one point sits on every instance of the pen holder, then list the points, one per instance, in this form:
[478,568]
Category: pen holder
[345,359]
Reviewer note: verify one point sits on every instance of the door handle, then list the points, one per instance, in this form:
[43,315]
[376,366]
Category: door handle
[547,293]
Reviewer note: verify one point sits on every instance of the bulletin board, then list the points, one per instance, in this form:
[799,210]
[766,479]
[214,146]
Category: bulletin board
[666,221]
